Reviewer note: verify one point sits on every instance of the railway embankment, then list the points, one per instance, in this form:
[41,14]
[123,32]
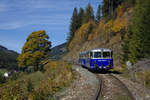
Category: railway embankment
[138,90]
[86,85]
[83,88]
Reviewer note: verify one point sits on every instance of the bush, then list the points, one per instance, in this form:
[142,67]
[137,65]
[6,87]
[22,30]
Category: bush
[2,78]
[38,85]
[30,86]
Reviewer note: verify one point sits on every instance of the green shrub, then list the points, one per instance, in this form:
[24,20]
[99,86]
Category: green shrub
[2,78]
[30,86]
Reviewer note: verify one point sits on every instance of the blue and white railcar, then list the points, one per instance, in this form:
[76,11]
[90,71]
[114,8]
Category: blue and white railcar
[97,59]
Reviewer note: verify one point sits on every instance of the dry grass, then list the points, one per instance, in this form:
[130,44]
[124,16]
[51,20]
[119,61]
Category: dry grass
[57,75]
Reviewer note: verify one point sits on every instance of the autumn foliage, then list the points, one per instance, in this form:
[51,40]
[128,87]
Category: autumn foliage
[35,49]
[39,85]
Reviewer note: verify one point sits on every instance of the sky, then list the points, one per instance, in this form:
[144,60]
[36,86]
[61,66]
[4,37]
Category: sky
[19,18]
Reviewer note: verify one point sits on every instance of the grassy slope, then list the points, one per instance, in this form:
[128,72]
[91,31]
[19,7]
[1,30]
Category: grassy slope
[43,85]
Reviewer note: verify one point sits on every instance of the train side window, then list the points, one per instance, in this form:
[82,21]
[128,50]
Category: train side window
[91,54]
[111,54]
[97,54]
[106,54]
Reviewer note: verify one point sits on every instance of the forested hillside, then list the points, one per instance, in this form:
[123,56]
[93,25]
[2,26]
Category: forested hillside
[122,26]
[8,58]
[58,52]
[108,29]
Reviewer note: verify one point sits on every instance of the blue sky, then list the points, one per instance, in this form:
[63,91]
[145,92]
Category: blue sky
[19,18]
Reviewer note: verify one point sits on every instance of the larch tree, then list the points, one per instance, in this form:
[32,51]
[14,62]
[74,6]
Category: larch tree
[35,50]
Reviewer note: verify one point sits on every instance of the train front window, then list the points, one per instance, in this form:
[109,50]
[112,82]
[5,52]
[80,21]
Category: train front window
[106,54]
[97,54]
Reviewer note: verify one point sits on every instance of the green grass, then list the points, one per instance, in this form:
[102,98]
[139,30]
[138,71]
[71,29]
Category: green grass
[35,78]
[2,71]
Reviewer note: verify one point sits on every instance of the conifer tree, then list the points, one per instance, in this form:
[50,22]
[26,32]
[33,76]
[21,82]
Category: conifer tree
[74,25]
[139,45]
[89,14]
[98,14]
[35,49]
[80,17]
[109,6]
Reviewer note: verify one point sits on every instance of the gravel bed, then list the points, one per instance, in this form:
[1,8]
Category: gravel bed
[83,88]
[138,91]
[112,89]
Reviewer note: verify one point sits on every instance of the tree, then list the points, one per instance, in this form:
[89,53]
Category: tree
[89,14]
[125,44]
[139,45]
[98,14]
[74,25]
[80,17]
[130,2]
[35,49]
[109,6]
[90,28]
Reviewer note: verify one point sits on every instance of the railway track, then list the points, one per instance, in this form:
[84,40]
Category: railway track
[102,85]
[100,95]
[99,90]
[124,86]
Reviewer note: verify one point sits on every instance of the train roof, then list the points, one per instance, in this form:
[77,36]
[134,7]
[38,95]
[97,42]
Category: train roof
[96,50]
[100,49]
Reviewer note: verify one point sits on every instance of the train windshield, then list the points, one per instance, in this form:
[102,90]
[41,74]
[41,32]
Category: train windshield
[106,54]
[97,54]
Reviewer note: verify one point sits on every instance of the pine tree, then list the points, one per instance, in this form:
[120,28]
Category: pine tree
[130,2]
[80,17]
[89,14]
[109,6]
[105,8]
[35,49]
[74,25]
[98,14]
[139,45]
[125,44]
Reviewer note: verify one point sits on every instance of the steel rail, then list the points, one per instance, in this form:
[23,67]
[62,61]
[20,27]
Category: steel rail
[124,86]
[99,90]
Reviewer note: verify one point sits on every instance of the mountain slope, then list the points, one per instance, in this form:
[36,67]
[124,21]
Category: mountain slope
[105,34]
[58,52]
[8,58]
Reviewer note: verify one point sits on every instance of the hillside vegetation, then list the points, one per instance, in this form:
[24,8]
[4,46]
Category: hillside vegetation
[102,34]
[58,52]
[37,77]
[38,85]
[8,56]
[122,27]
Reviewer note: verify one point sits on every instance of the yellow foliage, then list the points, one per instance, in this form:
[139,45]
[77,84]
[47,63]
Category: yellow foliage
[107,29]
[120,11]
[80,35]
[35,49]
[120,23]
